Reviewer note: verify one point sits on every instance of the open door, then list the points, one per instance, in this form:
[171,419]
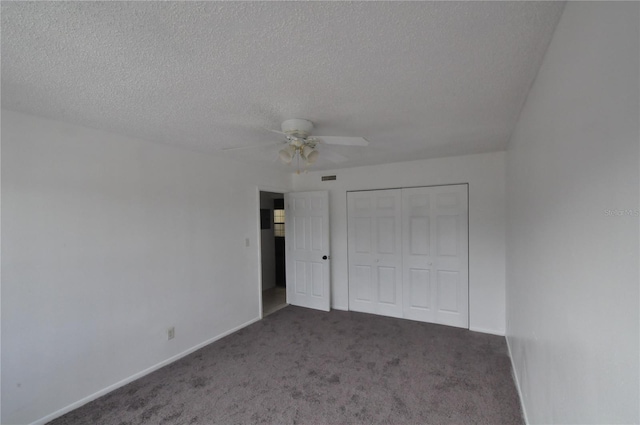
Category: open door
[307,244]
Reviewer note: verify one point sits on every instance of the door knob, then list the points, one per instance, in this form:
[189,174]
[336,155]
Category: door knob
[324,257]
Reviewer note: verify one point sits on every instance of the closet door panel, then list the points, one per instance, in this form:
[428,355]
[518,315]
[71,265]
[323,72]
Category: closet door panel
[418,245]
[361,241]
[451,260]
[374,235]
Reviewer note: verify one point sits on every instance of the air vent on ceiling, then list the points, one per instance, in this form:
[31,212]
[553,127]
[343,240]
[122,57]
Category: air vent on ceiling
[327,178]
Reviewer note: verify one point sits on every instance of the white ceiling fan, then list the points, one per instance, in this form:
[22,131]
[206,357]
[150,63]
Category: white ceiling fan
[301,146]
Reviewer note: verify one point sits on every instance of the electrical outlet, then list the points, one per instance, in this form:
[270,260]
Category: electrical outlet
[171,333]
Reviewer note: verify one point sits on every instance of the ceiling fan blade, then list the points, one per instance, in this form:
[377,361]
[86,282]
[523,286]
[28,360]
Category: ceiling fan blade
[237,148]
[334,157]
[344,141]
[274,131]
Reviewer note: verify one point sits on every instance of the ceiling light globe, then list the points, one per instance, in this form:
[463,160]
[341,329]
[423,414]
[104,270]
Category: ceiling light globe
[305,151]
[312,156]
[285,156]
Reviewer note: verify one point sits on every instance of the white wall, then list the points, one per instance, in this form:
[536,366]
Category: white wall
[107,242]
[485,174]
[572,267]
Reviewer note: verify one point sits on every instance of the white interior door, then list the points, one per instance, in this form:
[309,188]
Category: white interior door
[435,254]
[307,248]
[375,257]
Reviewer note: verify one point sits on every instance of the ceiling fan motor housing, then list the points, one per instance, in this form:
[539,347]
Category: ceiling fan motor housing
[297,127]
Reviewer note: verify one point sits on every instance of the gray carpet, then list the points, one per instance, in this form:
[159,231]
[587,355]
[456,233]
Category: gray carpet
[301,366]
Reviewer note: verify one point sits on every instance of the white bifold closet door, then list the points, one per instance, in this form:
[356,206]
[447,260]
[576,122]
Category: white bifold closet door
[375,257]
[408,253]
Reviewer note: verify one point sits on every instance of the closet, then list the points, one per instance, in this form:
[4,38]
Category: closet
[408,253]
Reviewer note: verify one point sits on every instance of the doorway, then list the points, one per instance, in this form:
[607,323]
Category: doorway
[272,252]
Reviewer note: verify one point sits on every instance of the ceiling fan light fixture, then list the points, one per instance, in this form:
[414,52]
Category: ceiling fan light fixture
[305,151]
[287,154]
[301,146]
[298,143]
[310,154]
[297,127]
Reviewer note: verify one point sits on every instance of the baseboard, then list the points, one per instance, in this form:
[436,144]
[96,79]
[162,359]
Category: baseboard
[486,331]
[515,379]
[138,375]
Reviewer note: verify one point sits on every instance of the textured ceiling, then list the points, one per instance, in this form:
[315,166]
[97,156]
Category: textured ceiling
[418,80]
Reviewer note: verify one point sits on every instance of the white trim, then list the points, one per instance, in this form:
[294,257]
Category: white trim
[517,382]
[259,248]
[138,375]
[486,331]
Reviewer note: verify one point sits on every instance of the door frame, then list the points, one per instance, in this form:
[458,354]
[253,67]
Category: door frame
[259,189]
